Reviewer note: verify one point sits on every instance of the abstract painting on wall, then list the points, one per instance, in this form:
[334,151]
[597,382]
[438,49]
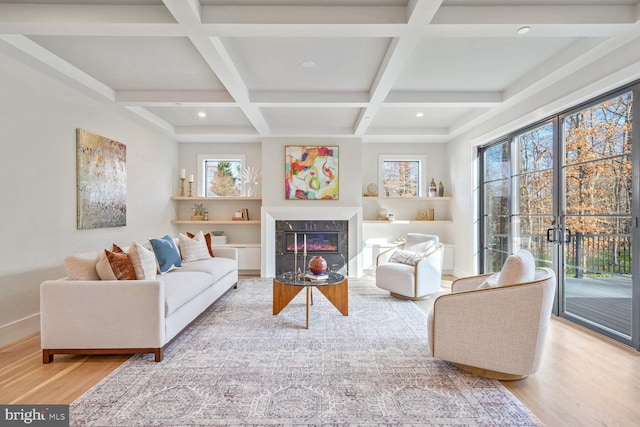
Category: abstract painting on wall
[311,173]
[101,181]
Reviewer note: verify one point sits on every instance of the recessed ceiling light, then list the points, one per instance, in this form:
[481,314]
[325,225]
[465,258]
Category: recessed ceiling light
[307,64]
[419,114]
[202,114]
[523,30]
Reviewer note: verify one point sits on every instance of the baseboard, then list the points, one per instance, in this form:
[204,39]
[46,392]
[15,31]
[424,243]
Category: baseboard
[19,329]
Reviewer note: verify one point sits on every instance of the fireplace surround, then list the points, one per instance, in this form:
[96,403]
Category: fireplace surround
[351,214]
[327,238]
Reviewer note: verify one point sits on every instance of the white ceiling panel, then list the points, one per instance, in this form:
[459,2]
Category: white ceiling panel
[276,64]
[323,120]
[188,116]
[136,63]
[373,63]
[399,118]
[475,64]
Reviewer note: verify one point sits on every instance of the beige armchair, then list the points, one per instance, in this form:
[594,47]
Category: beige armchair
[412,270]
[497,331]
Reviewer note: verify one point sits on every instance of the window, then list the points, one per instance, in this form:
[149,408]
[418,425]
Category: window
[401,175]
[220,176]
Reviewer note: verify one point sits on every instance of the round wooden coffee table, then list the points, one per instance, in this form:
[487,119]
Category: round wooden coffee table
[286,286]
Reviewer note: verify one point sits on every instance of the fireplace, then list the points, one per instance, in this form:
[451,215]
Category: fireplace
[329,239]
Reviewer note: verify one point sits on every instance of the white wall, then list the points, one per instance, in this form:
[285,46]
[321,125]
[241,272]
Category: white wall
[38,121]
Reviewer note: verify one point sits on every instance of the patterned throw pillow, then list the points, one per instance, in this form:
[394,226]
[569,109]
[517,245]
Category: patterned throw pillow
[406,257]
[193,249]
[144,262]
[207,238]
[167,254]
[120,264]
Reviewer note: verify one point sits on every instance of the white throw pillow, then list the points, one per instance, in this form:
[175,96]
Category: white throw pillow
[193,249]
[82,266]
[103,267]
[490,282]
[406,257]
[518,268]
[144,262]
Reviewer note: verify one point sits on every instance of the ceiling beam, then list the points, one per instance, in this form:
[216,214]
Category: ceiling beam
[304,15]
[443,99]
[175,98]
[540,14]
[398,53]
[218,59]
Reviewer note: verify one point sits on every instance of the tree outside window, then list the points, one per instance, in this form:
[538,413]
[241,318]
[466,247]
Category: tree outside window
[222,176]
[401,176]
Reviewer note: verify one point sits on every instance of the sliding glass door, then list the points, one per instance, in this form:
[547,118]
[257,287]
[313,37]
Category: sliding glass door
[567,190]
[596,216]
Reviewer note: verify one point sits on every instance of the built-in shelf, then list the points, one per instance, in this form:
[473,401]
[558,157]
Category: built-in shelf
[406,221]
[225,222]
[422,199]
[215,199]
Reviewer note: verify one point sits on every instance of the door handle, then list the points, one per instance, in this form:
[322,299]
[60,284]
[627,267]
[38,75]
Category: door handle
[550,231]
[568,239]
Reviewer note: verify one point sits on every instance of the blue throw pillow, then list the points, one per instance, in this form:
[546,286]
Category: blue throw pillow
[166,253]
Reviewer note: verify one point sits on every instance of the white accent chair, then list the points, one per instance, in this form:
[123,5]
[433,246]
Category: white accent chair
[495,327]
[412,270]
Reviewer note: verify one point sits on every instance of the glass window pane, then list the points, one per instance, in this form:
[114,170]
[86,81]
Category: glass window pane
[223,177]
[534,149]
[601,187]
[602,130]
[497,162]
[401,178]
[535,193]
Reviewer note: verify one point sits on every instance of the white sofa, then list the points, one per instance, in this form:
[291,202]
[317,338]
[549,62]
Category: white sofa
[130,316]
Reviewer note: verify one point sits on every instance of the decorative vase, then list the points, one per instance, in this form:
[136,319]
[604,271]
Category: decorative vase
[433,188]
[440,189]
[317,265]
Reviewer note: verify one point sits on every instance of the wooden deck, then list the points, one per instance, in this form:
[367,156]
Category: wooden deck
[606,302]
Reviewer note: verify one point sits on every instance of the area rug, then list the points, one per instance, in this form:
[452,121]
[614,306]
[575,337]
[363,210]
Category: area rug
[238,364]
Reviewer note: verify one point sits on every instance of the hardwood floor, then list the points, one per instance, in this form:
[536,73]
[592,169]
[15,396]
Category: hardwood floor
[585,379]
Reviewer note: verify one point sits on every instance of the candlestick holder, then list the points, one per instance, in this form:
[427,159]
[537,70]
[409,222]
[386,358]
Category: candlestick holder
[190,189]
[182,187]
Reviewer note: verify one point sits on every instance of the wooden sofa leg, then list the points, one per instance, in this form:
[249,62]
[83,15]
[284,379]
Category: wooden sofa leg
[47,357]
[158,354]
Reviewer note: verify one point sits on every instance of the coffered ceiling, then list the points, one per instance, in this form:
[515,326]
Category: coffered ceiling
[314,68]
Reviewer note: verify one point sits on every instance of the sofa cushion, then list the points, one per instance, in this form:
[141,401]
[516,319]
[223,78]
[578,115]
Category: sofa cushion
[207,238]
[120,264]
[144,261]
[182,286]
[103,267]
[82,266]
[490,282]
[406,257]
[167,254]
[519,267]
[217,267]
[193,248]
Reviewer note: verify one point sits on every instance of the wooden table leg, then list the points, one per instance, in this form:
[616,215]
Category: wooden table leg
[308,292]
[283,294]
[338,295]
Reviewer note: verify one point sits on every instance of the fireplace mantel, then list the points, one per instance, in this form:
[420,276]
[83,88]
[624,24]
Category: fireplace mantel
[268,232]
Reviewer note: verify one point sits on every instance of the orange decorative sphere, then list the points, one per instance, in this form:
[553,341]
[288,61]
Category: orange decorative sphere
[317,265]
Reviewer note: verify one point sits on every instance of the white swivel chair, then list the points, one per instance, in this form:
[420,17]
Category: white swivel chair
[495,325]
[412,270]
